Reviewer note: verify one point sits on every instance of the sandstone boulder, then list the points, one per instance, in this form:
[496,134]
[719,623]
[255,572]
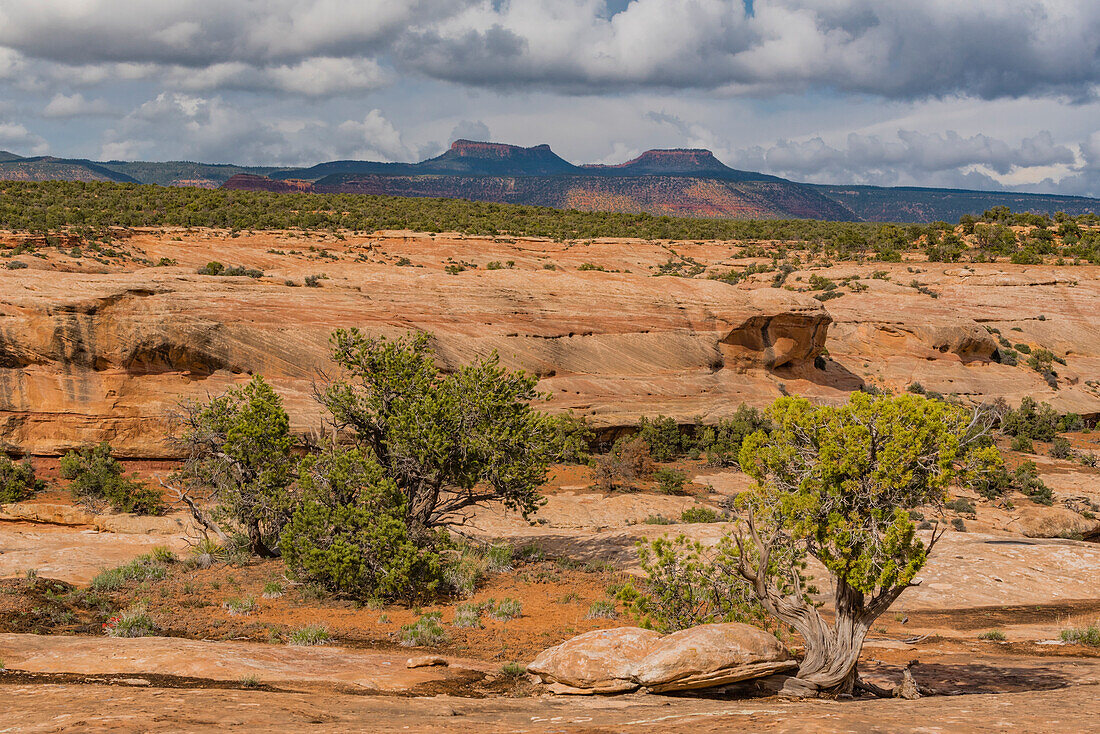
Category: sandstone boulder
[1053,522]
[601,661]
[711,655]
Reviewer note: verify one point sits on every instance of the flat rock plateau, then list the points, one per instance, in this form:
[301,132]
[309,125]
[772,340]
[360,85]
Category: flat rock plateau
[106,349]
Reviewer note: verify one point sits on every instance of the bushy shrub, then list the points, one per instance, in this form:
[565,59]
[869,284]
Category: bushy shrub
[687,584]
[722,443]
[602,609]
[571,440]
[17,480]
[133,622]
[699,514]
[961,504]
[96,477]
[348,533]
[425,632]
[314,634]
[670,481]
[1033,420]
[506,609]
[468,616]
[1060,448]
[216,268]
[1083,636]
[1026,479]
[662,435]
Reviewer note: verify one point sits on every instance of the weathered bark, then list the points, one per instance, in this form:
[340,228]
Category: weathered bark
[256,542]
[832,653]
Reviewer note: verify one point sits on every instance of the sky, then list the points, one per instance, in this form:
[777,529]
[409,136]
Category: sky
[985,94]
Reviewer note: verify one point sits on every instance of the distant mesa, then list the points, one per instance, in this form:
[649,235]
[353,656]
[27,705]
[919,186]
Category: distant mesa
[683,182]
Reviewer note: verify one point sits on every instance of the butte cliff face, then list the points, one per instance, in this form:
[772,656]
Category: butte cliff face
[108,355]
[89,357]
[681,182]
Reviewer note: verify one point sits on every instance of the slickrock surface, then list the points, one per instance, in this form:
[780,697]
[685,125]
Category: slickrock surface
[221,661]
[91,352]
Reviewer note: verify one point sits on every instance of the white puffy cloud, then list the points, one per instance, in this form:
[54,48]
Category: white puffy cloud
[18,139]
[75,105]
[944,159]
[214,130]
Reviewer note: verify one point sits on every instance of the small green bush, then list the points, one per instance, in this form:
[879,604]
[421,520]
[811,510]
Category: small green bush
[272,590]
[143,568]
[602,609]
[961,504]
[513,671]
[1061,448]
[424,632]
[133,622]
[699,514]
[95,476]
[314,634]
[670,481]
[1023,444]
[993,636]
[464,569]
[17,480]
[468,616]
[238,606]
[959,525]
[657,520]
[506,609]
[348,535]
[572,438]
[1026,479]
[498,558]
[1083,636]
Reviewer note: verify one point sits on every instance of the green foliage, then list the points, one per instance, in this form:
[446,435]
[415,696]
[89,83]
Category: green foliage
[146,567]
[992,636]
[571,440]
[513,671]
[838,480]
[308,636]
[1061,448]
[602,609]
[506,609]
[96,476]
[961,504]
[348,532]
[468,616]
[17,480]
[670,481]
[448,440]
[133,622]
[687,584]
[1026,479]
[698,513]
[217,268]
[424,632]
[662,435]
[1023,444]
[1037,421]
[722,443]
[239,448]
[240,605]
[1083,636]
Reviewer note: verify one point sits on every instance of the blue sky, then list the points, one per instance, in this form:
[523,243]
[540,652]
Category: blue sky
[982,93]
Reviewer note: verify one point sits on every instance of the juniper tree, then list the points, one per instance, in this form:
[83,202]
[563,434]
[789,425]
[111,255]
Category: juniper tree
[448,440]
[835,483]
